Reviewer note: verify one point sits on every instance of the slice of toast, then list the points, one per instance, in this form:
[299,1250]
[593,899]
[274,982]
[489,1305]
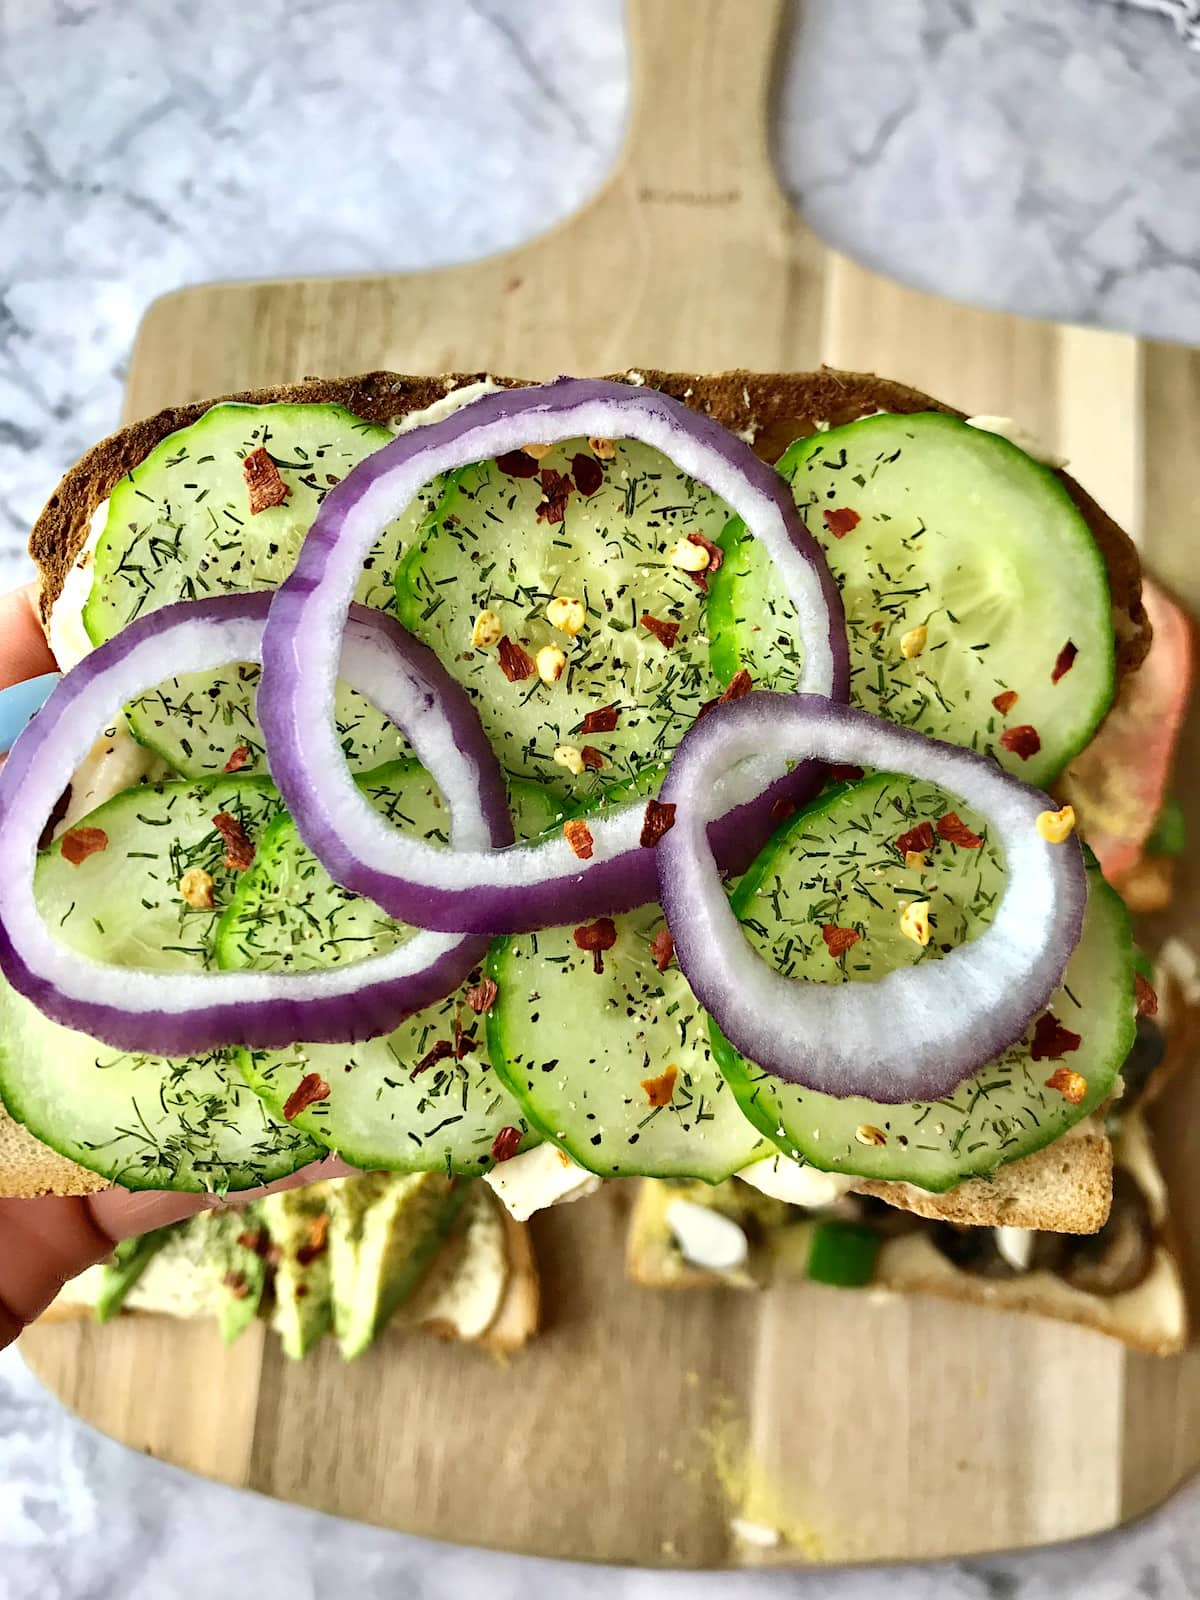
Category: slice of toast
[503,1252]
[771,409]
[1150,1317]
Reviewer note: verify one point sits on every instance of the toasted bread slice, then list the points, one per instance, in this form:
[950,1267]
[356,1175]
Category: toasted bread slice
[1150,1317]
[447,1304]
[771,409]
[1065,1188]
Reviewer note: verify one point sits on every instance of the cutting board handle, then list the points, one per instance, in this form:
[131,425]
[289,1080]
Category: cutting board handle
[703,72]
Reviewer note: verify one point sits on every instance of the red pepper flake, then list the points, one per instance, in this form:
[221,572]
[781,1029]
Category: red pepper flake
[266,487]
[238,759]
[506,1144]
[665,632]
[311,1088]
[516,464]
[597,937]
[239,851]
[481,996]
[662,948]
[81,843]
[1144,996]
[587,472]
[579,837]
[256,1239]
[1023,741]
[839,940]
[602,721]
[591,758]
[1051,1041]
[318,1239]
[1070,1084]
[464,1042]
[844,774]
[716,558]
[1064,661]
[918,838]
[782,810]
[237,1283]
[841,521]
[1005,701]
[739,685]
[516,664]
[954,830]
[556,491]
[441,1050]
[659,1090]
[659,818]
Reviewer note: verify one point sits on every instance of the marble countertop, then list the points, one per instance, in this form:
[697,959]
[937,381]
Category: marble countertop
[1041,158]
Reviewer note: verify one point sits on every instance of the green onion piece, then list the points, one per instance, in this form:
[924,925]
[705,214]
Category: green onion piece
[843,1253]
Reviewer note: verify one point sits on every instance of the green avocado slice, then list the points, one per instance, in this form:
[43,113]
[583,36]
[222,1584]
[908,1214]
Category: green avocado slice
[298,1223]
[384,1234]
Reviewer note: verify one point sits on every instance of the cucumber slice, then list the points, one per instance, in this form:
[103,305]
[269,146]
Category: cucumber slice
[485,549]
[147,1122]
[835,864]
[389,1106]
[960,533]
[179,527]
[589,1055]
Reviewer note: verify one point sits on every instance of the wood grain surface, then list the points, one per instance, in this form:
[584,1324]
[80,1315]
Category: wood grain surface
[641,1422]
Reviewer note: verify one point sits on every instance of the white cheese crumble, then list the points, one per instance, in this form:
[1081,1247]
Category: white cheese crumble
[1015,1246]
[705,1237]
[538,1178]
[795,1183]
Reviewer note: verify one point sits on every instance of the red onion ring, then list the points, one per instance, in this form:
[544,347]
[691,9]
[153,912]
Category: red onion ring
[182,1014]
[914,1034]
[531,886]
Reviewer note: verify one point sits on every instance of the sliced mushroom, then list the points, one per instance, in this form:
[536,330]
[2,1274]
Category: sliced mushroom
[1145,1055]
[972,1250]
[1120,1256]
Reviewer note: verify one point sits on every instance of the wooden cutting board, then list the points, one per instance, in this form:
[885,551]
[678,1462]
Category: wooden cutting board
[631,1429]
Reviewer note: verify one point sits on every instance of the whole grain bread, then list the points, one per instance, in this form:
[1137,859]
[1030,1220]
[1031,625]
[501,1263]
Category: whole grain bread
[771,410]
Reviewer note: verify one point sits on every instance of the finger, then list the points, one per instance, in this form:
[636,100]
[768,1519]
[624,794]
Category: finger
[316,1172]
[24,652]
[42,1244]
[120,1213]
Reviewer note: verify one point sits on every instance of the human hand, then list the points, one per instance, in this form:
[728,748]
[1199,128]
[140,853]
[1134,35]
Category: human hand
[45,1242]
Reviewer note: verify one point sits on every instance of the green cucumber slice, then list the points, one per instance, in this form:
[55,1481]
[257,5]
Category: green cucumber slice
[147,1122]
[577,1049]
[485,549]
[959,532]
[835,864]
[385,1109]
[179,527]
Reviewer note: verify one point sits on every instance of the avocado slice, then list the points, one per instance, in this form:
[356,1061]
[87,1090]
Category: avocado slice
[236,1248]
[298,1223]
[384,1234]
[129,1260]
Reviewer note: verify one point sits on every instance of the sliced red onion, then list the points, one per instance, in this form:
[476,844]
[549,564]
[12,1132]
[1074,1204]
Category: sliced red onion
[533,886]
[183,1013]
[918,1032]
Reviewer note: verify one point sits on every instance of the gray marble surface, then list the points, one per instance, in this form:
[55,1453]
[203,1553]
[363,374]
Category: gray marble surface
[1008,152]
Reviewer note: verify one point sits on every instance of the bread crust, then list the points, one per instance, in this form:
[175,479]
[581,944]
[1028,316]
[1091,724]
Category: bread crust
[770,409]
